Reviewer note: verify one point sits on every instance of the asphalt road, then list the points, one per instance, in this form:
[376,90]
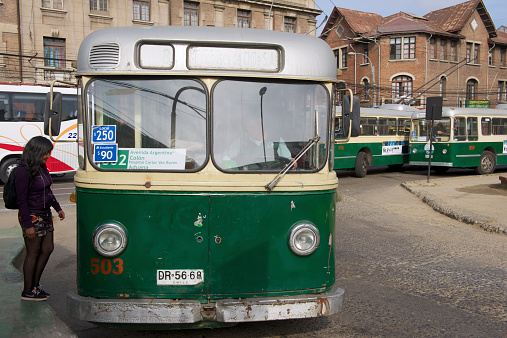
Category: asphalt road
[406,270]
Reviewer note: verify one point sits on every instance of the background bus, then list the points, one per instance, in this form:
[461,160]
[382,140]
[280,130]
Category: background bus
[463,138]
[383,139]
[179,219]
[22,117]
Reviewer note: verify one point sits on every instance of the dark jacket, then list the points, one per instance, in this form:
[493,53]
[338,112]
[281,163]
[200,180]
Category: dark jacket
[39,199]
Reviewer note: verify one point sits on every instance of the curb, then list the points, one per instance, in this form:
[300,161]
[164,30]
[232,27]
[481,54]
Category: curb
[23,318]
[456,213]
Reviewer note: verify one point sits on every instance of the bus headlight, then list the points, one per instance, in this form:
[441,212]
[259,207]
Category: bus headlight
[304,239]
[110,239]
[414,150]
[444,151]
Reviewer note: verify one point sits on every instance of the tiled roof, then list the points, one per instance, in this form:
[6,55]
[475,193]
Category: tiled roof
[359,22]
[501,38]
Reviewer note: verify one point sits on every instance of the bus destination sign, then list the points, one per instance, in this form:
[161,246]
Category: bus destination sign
[228,58]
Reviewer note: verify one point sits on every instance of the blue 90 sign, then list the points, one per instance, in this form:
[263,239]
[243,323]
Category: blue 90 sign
[104,134]
[105,153]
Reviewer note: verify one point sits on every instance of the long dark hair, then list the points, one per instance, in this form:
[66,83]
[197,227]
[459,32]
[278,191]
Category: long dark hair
[34,151]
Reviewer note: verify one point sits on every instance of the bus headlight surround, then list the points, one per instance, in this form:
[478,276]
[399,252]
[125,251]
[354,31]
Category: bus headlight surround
[304,239]
[110,239]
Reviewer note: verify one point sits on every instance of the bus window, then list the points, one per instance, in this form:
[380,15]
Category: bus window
[387,126]
[28,106]
[486,126]
[257,127]
[69,107]
[499,126]
[368,125]
[152,114]
[4,107]
[403,127]
[472,130]
[460,133]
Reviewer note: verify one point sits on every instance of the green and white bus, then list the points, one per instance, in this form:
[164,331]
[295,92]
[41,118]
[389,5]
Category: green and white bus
[382,140]
[463,138]
[180,218]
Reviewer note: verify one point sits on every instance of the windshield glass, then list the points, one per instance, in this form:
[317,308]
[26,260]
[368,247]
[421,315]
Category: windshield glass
[421,130]
[260,126]
[157,124]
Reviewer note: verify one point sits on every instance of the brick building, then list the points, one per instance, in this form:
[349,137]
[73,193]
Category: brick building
[454,52]
[39,40]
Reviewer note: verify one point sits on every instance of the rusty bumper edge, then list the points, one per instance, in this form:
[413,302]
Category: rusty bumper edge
[170,311]
[277,308]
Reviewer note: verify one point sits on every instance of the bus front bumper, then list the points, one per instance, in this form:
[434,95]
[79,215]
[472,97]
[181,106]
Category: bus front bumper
[173,311]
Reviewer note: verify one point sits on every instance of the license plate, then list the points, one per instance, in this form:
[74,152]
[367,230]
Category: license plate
[180,277]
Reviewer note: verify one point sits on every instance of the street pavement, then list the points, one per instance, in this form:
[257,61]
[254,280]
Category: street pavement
[475,200]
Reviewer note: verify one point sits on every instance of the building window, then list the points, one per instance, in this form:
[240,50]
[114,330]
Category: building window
[471,89]
[443,86]
[433,52]
[502,58]
[365,56]
[98,5]
[366,87]
[339,30]
[395,48]
[344,57]
[454,50]
[141,10]
[402,86]
[406,44]
[490,58]
[243,19]
[473,52]
[502,90]
[54,52]
[443,49]
[341,57]
[54,4]
[191,14]
[289,24]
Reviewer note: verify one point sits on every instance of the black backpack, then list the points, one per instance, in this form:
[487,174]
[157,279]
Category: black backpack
[10,196]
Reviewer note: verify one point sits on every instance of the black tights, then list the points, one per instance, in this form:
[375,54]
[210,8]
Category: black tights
[38,251]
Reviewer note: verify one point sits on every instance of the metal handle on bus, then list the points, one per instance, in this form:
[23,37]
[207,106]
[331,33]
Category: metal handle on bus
[51,107]
[350,120]
[289,166]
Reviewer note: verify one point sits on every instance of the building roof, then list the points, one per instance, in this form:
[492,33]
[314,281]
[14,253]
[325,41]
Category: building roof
[501,38]
[453,19]
[359,22]
[403,22]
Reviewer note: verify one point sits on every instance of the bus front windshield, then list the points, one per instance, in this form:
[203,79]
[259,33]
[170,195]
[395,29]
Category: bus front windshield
[261,126]
[441,130]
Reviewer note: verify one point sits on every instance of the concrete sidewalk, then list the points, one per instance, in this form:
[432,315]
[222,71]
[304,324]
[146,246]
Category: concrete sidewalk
[473,199]
[22,318]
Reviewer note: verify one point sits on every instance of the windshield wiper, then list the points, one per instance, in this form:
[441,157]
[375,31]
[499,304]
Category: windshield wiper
[289,166]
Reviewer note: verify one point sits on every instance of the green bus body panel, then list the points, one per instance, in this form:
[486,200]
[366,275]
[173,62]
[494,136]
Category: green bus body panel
[244,250]
[345,155]
[461,155]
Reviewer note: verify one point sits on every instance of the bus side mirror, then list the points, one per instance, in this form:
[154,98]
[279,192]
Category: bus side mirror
[350,116]
[55,113]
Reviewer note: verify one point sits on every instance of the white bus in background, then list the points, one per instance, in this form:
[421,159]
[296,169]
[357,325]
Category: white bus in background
[22,117]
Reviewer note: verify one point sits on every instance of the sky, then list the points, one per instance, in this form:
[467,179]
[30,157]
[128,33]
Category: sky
[497,9]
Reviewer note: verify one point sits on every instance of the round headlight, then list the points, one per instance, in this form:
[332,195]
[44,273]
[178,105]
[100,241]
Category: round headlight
[444,151]
[414,150]
[110,239]
[304,239]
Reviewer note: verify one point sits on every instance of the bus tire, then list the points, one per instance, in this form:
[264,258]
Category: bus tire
[6,168]
[487,164]
[361,167]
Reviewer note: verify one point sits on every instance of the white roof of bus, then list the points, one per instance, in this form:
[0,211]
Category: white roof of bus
[457,111]
[116,51]
[392,110]
[36,89]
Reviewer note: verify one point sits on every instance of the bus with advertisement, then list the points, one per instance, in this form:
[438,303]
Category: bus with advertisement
[205,189]
[382,140]
[22,117]
[463,138]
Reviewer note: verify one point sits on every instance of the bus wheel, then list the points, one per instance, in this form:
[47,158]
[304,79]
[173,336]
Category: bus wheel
[361,167]
[6,168]
[487,164]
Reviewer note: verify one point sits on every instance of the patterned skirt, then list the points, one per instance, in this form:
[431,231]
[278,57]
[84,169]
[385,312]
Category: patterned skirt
[43,223]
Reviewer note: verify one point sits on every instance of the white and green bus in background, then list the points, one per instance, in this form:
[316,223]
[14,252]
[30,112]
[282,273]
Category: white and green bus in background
[463,138]
[382,140]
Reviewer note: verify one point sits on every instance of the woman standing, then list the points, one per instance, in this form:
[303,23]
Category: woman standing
[35,199]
